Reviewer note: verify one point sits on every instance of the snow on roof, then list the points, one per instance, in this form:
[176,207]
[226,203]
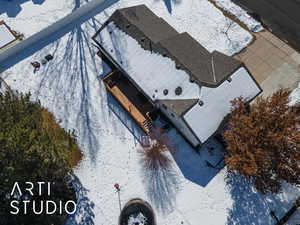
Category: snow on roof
[152,72]
[152,26]
[6,36]
[204,120]
[152,32]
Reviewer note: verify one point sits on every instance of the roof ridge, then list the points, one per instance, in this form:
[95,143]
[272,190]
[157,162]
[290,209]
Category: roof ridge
[213,68]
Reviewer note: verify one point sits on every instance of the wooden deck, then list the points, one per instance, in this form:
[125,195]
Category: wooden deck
[130,98]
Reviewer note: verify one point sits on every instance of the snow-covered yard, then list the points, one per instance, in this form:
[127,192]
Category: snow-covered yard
[31,16]
[69,86]
[240,14]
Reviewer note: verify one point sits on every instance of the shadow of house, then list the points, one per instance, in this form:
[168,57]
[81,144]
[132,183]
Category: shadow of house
[251,207]
[13,7]
[125,118]
[198,167]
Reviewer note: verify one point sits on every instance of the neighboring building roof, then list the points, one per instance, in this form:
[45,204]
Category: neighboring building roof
[152,26]
[6,36]
[281,16]
[207,69]
[179,107]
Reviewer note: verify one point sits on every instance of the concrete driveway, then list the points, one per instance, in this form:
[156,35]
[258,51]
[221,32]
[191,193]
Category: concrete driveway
[272,62]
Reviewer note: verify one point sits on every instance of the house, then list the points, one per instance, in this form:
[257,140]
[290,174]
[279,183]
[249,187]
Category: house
[281,17]
[7,37]
[159,69]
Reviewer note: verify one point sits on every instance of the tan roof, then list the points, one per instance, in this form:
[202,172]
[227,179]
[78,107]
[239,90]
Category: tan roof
[180,107]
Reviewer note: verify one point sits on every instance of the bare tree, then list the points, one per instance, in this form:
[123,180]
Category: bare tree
[155,157]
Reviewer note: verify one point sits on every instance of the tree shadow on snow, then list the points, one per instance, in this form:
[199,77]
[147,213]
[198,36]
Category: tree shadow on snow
[69,76]
[13,7]
[251,207]
[161,187]
[125,118]
[41,42]
[84,214]
[169,3]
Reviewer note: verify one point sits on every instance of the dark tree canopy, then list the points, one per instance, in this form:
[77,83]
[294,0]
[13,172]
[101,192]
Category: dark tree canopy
[264,141]
[33,148]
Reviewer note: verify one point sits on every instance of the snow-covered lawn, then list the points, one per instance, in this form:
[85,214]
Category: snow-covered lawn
[69,86]
[240,14]
[31,16]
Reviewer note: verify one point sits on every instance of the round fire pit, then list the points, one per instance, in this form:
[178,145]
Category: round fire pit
[137,212]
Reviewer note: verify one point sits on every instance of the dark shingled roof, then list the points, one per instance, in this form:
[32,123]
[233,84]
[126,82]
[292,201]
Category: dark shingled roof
[209,69]
[281,16]
[180,107]
[152,26]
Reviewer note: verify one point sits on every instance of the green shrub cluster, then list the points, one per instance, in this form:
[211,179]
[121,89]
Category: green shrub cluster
[33,147]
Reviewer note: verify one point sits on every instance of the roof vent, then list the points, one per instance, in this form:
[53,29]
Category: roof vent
[178,67]
[178,91]
[200,102]
[165,91]
[229,79]
[127,26]
[192,80]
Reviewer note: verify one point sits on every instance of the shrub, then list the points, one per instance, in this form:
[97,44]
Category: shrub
[33,148]
[155,157]
[264,141]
